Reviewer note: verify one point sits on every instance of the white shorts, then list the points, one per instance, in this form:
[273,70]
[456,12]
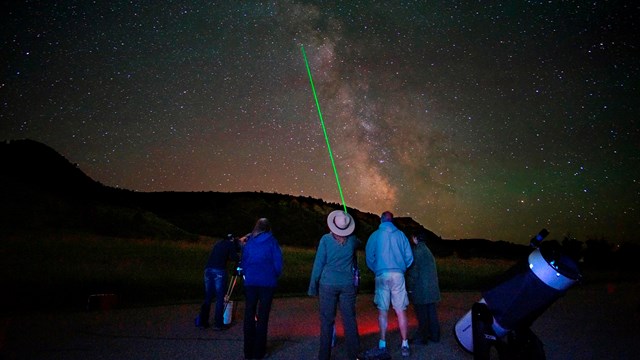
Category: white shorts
[390,289]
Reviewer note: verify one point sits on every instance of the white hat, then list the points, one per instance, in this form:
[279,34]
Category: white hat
[341,223]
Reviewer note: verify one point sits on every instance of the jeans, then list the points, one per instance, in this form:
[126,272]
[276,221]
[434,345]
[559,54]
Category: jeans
[215,283]
[332,297]
[258,301]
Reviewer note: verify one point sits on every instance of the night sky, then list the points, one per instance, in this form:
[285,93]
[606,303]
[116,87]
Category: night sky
[477,119]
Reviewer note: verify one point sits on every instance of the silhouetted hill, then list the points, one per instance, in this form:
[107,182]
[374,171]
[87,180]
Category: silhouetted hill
[297,220]
[41,188]
[28,163]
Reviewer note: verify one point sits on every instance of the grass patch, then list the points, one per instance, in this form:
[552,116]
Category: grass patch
[60,270]
[469,274]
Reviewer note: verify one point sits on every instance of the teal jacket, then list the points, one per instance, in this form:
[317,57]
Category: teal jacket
[333,264]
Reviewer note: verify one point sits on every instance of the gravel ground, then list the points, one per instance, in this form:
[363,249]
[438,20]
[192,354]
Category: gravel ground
[589,322]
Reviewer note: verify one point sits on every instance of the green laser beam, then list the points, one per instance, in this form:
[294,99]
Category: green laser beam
[324,129]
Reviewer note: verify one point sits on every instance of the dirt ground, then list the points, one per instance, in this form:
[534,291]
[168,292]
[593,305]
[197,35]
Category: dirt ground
[598,321]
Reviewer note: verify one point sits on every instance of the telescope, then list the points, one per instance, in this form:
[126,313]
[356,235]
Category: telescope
[501,319]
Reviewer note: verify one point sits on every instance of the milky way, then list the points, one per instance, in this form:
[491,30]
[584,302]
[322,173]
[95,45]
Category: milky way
[477,120]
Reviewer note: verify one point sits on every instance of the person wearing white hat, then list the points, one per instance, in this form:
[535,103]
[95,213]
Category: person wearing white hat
[332,280]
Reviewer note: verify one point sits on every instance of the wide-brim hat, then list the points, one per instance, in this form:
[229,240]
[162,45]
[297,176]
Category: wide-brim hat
[341,223]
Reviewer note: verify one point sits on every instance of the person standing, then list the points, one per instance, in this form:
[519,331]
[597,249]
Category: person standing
[388,255]
[260,266]
[332,280]
[424,290]
[215,281]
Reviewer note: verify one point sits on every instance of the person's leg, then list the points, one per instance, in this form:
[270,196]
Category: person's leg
[265,298]
[434,323]
[221,290]
[382,300]
[403,323]
[209,292]
[423,330]
[328,303]
[347,301]
[382,324]
[251,304]
[400,301]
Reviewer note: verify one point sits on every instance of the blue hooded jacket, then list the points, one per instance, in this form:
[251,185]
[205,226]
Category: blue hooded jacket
[261,260]
[388,250]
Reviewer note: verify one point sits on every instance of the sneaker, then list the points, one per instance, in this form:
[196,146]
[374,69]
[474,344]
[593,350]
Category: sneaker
[382,344]
[405,351]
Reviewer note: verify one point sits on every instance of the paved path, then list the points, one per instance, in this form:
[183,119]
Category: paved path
[590,322]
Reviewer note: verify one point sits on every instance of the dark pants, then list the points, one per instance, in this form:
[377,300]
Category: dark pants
[332,297]
[428,324]
[215,283]
[256,320]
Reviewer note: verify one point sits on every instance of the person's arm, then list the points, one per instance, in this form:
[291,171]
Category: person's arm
[276,252]
[370,256]
[411,277]
[235,251]
[408,254]
[244,259]
[318,266]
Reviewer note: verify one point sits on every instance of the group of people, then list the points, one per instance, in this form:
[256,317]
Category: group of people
[392,259]
[403,274]
[260,266]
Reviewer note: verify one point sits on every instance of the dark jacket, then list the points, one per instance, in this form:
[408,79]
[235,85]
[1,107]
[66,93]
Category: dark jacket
[422,276]
[223,251]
